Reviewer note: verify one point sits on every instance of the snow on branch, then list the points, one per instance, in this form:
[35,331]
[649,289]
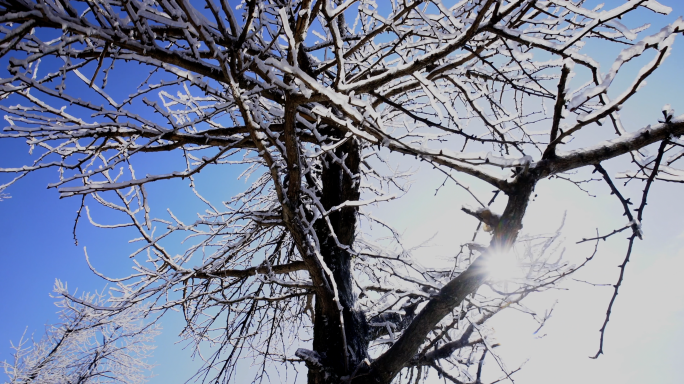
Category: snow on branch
[87,345]
[324,111]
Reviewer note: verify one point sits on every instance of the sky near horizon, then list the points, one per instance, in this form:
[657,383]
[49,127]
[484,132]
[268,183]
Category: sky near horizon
[644,336]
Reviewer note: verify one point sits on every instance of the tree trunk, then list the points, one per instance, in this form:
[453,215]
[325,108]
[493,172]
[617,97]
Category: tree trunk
[328,342]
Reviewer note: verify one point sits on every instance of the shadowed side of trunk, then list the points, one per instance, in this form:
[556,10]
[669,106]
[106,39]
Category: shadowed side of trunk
[339,186]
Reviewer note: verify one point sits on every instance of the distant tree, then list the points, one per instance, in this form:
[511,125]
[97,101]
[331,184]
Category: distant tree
[85,346]
[311,99]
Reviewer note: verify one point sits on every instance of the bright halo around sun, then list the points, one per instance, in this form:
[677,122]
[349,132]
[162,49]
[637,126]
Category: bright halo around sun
[503,267]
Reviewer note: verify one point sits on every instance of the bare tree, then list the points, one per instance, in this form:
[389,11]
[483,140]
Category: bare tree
[313,99]
[87,346]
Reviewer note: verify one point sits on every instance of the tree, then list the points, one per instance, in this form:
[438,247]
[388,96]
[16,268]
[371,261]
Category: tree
[85,347]
[314,109]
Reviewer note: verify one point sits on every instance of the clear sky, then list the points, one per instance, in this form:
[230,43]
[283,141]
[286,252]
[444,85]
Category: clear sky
[645,335]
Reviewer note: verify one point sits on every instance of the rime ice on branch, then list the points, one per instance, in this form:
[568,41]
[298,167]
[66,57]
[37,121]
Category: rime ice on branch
[87,345]
[307,99]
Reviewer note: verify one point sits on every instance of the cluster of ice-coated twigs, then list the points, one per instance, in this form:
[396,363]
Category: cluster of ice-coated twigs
[85,347]
[309,98]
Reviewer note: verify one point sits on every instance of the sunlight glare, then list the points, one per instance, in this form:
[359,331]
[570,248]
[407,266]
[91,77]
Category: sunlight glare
[503,266]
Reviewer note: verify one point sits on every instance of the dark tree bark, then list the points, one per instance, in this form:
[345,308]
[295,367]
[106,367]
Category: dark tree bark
[250,81]
[338,187]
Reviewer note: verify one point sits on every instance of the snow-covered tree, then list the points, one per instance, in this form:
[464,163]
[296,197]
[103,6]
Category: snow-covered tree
[86,346]
[313,100]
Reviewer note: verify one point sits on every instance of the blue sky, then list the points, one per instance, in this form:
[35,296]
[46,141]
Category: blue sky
[644,338]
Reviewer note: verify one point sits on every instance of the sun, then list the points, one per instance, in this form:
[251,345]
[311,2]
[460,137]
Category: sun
[503,266]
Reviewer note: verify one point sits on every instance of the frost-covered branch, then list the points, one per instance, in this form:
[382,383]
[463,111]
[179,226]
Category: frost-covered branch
[86,346]
[311,105]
